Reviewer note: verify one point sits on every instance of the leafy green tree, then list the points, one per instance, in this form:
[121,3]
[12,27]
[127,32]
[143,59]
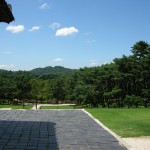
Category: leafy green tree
[141,49]
[58,89]
[24,87]
[146,96]
[79,93]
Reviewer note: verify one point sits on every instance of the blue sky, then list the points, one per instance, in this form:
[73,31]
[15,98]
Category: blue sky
[71,33]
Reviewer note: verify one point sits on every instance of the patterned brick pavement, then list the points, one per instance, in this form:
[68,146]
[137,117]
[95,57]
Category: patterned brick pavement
[53,130]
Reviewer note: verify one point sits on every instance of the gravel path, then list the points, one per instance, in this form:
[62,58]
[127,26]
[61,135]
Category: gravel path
[138,143]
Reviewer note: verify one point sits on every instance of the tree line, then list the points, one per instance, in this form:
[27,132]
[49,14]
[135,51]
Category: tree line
[123,83]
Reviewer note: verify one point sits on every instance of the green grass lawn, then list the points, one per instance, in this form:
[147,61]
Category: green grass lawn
[16,106]
[124,122]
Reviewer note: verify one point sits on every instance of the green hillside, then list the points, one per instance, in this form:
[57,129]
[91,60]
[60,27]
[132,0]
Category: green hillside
[51,70]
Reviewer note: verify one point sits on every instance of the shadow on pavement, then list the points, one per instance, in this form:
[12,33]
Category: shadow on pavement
[28,135]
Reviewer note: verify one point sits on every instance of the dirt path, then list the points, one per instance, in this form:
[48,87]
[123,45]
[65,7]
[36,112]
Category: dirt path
[139,143]
[39,105]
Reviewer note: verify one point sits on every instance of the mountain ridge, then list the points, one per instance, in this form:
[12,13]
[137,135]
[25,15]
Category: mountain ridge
[52,70]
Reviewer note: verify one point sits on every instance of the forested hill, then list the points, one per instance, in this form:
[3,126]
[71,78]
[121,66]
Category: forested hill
[123,83]
[41,73]
[52,70]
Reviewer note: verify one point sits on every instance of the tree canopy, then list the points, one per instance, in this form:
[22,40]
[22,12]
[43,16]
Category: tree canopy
[123,83]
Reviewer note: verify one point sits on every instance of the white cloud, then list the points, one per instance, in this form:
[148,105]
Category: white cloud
[93,62]
[66,31]
[55,25]
[57,59]
[7,66]
[15,29]
[104,63]
[44,6]
[34,28]
[7,52]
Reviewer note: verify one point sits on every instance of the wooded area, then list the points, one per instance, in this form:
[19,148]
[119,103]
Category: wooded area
[123,83]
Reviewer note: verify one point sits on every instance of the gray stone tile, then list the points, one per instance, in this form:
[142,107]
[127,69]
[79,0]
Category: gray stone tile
[53,130]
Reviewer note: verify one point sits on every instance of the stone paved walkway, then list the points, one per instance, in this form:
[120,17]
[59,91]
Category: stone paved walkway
[53,130]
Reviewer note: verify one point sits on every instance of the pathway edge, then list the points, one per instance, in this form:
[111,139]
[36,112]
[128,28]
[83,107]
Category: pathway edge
[121,141]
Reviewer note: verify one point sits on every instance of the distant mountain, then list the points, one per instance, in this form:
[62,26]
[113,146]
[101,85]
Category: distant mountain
[41,73]
[51,70]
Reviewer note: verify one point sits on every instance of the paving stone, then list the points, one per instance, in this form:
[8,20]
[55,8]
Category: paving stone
[1,146]
[53,130]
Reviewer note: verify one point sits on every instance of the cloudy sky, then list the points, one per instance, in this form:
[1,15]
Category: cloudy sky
[71,33]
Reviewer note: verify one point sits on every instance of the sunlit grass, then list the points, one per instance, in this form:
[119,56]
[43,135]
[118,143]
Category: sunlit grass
[124,122]
[16,106]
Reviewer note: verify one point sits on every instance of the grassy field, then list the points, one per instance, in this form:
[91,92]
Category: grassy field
[124,122]
[16,106]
